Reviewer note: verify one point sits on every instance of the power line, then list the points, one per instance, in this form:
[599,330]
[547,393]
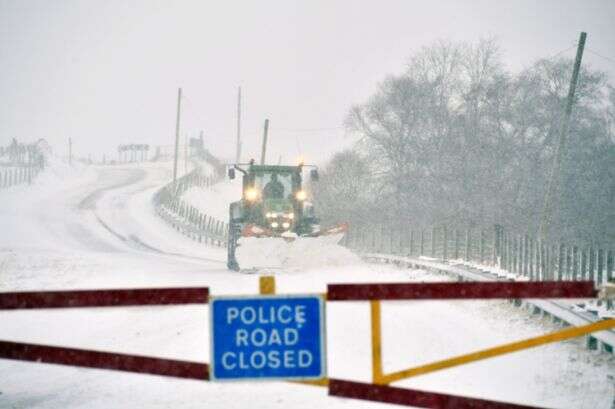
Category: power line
[560,52]
[600,55]
[308,129]
[190,108]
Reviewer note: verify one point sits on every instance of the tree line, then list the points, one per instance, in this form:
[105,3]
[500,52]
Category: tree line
[457,139]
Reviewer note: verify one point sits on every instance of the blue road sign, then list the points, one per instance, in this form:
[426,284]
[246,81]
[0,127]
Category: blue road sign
[267,337]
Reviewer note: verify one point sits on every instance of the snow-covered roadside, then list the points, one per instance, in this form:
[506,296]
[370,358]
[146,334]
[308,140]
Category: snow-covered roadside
[60,243]
[215,200]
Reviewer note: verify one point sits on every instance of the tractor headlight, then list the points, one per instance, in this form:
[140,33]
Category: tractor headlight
[274,225]
[251,194]
[301,195]
[286,225]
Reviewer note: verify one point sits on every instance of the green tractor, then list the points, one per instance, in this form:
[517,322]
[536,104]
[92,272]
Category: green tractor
[273,204]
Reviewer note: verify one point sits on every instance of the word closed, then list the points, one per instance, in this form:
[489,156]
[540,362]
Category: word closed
[267,337]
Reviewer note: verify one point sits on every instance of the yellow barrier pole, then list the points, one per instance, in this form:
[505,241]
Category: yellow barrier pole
[266,286]
[376,342]
[499,350]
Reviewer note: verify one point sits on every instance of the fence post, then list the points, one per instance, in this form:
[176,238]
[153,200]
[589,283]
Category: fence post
[600,275]
[609,274]
[575,263]
[468,236]
[209,230]
[532,258]
[515,268]
[583,263]
[504,252]
[422,242]
[494,249]
[411,251]
[445,245]
[482,246]
[592,264]
[524,264]
[568,263]
[456,255]
[510,253]
[540,273]
[560,263]
[521,259]
[523,256]
[433,242]
[526,255]
[548,262]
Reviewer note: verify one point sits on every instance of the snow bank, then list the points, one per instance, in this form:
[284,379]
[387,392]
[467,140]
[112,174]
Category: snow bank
[300,254]
[215,201]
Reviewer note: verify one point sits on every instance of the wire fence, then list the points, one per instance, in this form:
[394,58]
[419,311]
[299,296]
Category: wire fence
[18,175]
[521,255]
[185,218]
[20,163]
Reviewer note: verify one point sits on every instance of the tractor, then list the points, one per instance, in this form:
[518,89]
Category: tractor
[273,205]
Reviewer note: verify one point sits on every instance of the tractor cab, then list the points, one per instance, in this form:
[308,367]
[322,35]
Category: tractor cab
[273,199]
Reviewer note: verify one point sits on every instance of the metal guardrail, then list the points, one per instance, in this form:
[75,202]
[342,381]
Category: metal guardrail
[559,311]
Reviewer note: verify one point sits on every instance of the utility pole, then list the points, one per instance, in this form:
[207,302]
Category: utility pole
[179,101]
[555,177]
[70,151]
[264,150]
[185,153]
[238,155]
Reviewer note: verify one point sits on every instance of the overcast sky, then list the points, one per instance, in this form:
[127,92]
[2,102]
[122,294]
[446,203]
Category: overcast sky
[107,72]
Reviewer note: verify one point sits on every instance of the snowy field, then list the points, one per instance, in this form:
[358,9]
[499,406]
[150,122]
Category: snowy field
[95,227]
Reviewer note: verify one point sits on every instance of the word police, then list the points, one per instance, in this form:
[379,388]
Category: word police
[259,337]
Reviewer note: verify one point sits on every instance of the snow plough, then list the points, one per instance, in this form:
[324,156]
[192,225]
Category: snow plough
[274,213]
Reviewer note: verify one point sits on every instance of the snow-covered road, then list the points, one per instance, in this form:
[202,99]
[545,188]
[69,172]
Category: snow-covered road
[96,228]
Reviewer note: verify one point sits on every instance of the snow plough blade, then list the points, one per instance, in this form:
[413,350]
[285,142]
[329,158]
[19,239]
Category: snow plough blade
[253,230]
[341,229]
[259,249]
